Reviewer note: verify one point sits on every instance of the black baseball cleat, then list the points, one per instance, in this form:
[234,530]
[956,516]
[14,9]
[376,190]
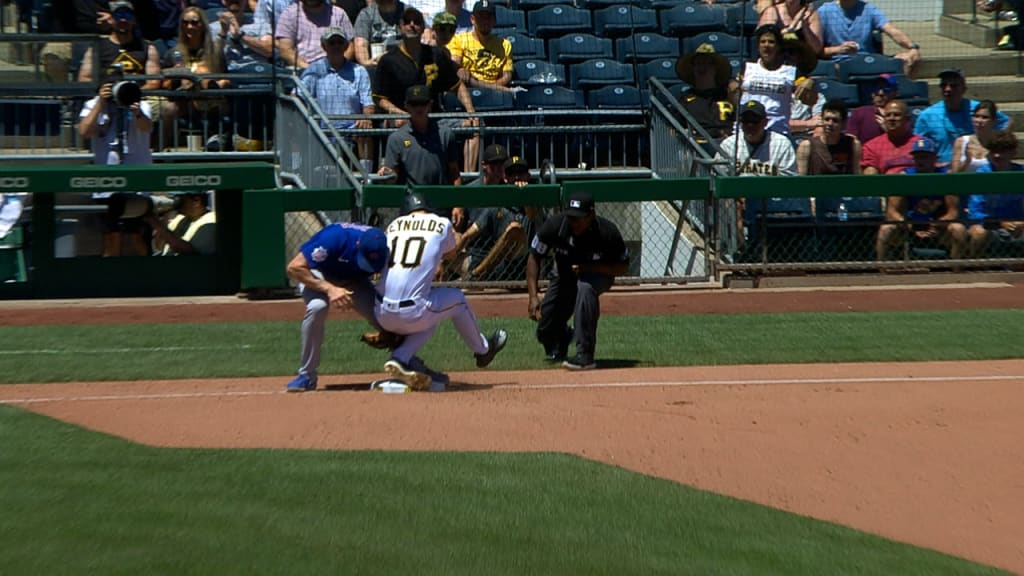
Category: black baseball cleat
[561,350]
[494,345]
[579,362]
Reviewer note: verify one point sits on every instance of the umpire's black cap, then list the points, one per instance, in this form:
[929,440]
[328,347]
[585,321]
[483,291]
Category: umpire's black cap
[580,205]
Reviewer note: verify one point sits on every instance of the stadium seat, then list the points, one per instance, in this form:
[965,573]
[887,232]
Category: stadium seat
[914,92]
[30,117]
[579,47]
[615,97]
[663,69]
[624,20]
[825,69]
[508,18]
[484,100]
[835,90]
[852,238]
[724,43]
[741,19]
[867,67]
[537,72]
[689,19]
[861,209]
[526,47]
[599,72]
[545,97]
[530,5]
[787,227]
[646,46]
[557,20]
[737,64]
[599,4]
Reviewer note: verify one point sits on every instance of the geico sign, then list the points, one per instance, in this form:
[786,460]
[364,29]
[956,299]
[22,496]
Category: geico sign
[193,180]
[99,182]
[13,182]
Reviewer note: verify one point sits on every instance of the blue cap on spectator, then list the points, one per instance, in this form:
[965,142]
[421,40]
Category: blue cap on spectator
[373,251]
[923,144]
[888,82]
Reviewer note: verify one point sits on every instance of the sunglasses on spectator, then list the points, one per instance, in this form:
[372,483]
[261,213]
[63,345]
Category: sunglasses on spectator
[188,22]
[336,42]
[413,23]
[123,15]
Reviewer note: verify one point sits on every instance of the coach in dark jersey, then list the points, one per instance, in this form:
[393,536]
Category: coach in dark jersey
[589,253]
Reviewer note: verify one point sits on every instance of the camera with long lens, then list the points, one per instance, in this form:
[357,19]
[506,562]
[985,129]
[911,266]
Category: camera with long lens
[125,92]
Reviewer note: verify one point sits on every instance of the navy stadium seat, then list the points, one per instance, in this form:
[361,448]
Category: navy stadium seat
[723,42]
[689,19]
[624,20]
[835,90]
[579,47]
[529,5]
[545,97]
[484,100]
[525,47]
[741,18]
[914,92]
[508,18]
[558,20]
[646,46]
[825,69]
[536,72]
[615,97]
[737,64]
[861,67]
[663,69]
[598,4]
[30,117]
[861,209]
[599,72]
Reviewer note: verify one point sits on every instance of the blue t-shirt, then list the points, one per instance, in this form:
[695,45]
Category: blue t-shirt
[856,24]
[333,251]
[1001,206]
[944,127]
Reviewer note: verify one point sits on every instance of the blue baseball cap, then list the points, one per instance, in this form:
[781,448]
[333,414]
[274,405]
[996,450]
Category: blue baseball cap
[923,144]
[888,82]
[373,251]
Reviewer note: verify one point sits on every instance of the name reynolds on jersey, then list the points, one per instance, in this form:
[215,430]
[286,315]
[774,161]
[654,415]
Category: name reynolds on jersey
[417,225]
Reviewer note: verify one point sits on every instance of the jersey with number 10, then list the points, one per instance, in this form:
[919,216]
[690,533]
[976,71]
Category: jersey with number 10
[418,242]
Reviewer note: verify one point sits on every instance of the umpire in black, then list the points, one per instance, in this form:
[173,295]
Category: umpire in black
[589,253]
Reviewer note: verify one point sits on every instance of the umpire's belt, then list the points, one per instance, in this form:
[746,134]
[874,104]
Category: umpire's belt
[392,305]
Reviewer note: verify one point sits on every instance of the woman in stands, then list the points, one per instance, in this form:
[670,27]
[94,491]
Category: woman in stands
[772,79]
[970,151]
[195,53]
[797,16]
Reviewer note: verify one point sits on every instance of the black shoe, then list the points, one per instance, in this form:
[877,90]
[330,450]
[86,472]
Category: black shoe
[495,343]
[579,362]
[559,353]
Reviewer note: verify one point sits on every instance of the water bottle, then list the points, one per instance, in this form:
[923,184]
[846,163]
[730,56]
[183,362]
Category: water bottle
[178,59]
[841,212]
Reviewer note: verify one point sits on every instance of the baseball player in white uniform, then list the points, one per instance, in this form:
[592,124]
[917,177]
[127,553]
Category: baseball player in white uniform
[408,304]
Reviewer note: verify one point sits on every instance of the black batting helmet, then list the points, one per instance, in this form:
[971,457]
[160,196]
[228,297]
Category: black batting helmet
[414,201]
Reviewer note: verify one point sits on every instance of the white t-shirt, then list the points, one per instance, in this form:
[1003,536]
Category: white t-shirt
[774,89]
[771,157]
[105,145]
[418,242]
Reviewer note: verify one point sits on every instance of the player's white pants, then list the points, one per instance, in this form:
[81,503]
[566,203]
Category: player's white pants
[419,320]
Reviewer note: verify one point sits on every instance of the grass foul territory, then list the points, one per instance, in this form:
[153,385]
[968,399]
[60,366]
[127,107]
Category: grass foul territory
[78,502]
[174,351]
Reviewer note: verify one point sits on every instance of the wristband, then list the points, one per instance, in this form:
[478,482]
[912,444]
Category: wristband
[913,47]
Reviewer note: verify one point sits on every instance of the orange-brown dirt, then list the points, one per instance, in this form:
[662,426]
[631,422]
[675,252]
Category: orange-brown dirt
[925,453]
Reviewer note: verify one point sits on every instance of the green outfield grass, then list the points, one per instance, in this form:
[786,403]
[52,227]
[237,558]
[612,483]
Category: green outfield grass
[143,352]
[78,502]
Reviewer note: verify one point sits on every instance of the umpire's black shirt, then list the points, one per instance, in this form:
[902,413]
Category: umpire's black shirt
[602,242]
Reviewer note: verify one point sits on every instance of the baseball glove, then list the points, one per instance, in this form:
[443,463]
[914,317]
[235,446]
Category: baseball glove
[382,340]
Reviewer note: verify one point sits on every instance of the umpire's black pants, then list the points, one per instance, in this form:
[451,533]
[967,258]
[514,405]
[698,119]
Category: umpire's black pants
[568,296]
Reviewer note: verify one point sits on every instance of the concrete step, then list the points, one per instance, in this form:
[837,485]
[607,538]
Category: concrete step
[986,63]
[979,30]
[1001,89]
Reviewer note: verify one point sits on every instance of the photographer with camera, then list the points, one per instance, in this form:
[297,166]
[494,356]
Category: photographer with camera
[193,230]
[118,123]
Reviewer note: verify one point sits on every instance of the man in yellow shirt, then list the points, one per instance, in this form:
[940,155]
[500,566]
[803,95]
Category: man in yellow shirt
[485,60]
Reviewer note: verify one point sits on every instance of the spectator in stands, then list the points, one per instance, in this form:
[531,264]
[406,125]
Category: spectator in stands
[62,60]
[969,151]
[192,231]
[950,119]
[342,87]
[1013,36]
[711,98]
[848,26]
[429,9]
[352,8]
[269,12]
[444,29]
[484,60]
[378,30]
[298,31]
[233,16]
[804,119]
[517,172]
[868,121]
[244,44]
[196,52]
[119,133]
[890,152]
[797,16]
[463,17]
[833,151]
[495,156]
[996,218]
[772,79]
[415,63]
[421,152]
[924,218]
[759,152]
[123,49]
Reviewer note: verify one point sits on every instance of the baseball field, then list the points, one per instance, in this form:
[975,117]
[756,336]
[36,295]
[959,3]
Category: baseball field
[811,431]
